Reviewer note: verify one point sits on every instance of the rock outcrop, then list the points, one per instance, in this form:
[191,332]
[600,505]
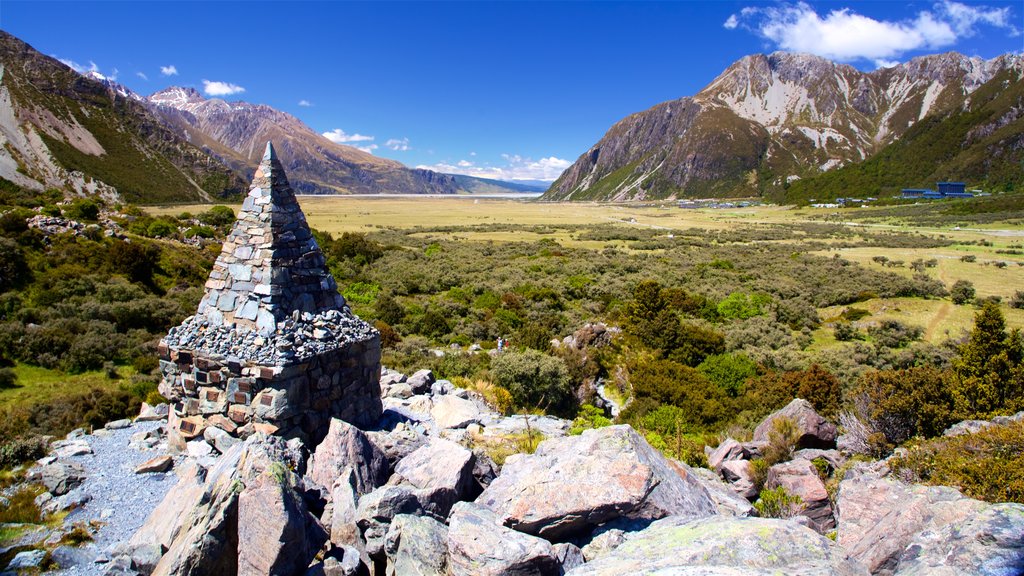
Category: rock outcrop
[814,431]
[724,546]
[572,484]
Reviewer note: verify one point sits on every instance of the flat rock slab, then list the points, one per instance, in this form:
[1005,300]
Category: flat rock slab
[572,484]
[989,542]
[158,464]
[724,546]
[878,517]
[454,412]
[479,546]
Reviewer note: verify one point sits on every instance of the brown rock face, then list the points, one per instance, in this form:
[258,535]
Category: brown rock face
[276,534]
[815,431]
[479,546]
[800,478]
[346,448]
[879,517]
[571,484]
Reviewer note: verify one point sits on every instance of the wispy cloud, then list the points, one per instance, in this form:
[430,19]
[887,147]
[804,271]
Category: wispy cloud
[339,136]
[400,145]
[847,36]
[216,88]
[305,103]
[170,70]
[515,168]
[368,149]
[92,69]
[142,75]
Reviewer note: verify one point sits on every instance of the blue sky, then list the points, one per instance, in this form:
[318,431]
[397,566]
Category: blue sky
[513,90]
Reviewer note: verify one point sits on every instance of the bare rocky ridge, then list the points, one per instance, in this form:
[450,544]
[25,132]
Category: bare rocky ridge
[236,131]
[60,129]
[767,120]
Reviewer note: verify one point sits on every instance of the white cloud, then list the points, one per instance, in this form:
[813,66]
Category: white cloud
[846,36]
[216,88]
[472,153]
[142,75]
[305,103]
[516,168]
[171,70]
[399,145]
[368,149]
[338,136]
[91,70]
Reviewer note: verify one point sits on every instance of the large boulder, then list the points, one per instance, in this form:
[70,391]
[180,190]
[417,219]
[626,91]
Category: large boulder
[879,517]
[417,546]
[420,381]
[197,523]
[442,471]
[723,545]
[815,431]
[728,502]
[740,476]
[276,532]
[989,542]
[454,412]
[61,477]
[727,451]
[800,478]
[572,484]
[479,546]
[347,447]
[396,443]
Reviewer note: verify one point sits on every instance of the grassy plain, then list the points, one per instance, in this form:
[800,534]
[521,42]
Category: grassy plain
[524,221]
[38,385]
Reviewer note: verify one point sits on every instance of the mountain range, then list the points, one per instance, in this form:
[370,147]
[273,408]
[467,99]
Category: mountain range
[774,123]
[85,133]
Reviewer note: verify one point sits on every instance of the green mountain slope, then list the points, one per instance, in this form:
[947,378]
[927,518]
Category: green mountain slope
[980,142]
[66,131]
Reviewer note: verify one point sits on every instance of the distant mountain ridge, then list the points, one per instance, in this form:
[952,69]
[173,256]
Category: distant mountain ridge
[63,130]
[768,121]
[88,134]
[237,131]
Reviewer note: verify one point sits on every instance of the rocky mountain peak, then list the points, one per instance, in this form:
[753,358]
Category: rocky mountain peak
[791,115]
[176,97]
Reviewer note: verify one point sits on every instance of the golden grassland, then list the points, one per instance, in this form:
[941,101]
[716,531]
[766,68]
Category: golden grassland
[941,318]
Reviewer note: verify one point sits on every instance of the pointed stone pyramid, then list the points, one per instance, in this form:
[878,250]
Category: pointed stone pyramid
[270,266]
[272,347]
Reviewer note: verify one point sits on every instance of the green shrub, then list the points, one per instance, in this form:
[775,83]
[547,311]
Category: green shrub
[82,209]
[534,379]
[846,331]
[962,292]
[778,503]
[740,305]
[8,378]
[728,371]
[217,216]
[903,404]
[668,382]
[589,417]
[894,334]
[988,465]
[20,450]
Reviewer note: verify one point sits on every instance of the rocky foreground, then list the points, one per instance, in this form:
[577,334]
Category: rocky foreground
[422,495]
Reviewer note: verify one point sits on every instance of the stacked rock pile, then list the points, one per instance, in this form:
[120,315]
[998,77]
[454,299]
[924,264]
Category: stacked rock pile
[272,347]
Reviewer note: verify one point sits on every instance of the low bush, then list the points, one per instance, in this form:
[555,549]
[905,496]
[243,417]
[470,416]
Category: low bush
[988,465]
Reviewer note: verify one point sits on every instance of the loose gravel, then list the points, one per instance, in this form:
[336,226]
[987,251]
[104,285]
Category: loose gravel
[121,500]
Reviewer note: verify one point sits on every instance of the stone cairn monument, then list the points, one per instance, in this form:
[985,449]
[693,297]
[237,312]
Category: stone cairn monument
[273,346]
